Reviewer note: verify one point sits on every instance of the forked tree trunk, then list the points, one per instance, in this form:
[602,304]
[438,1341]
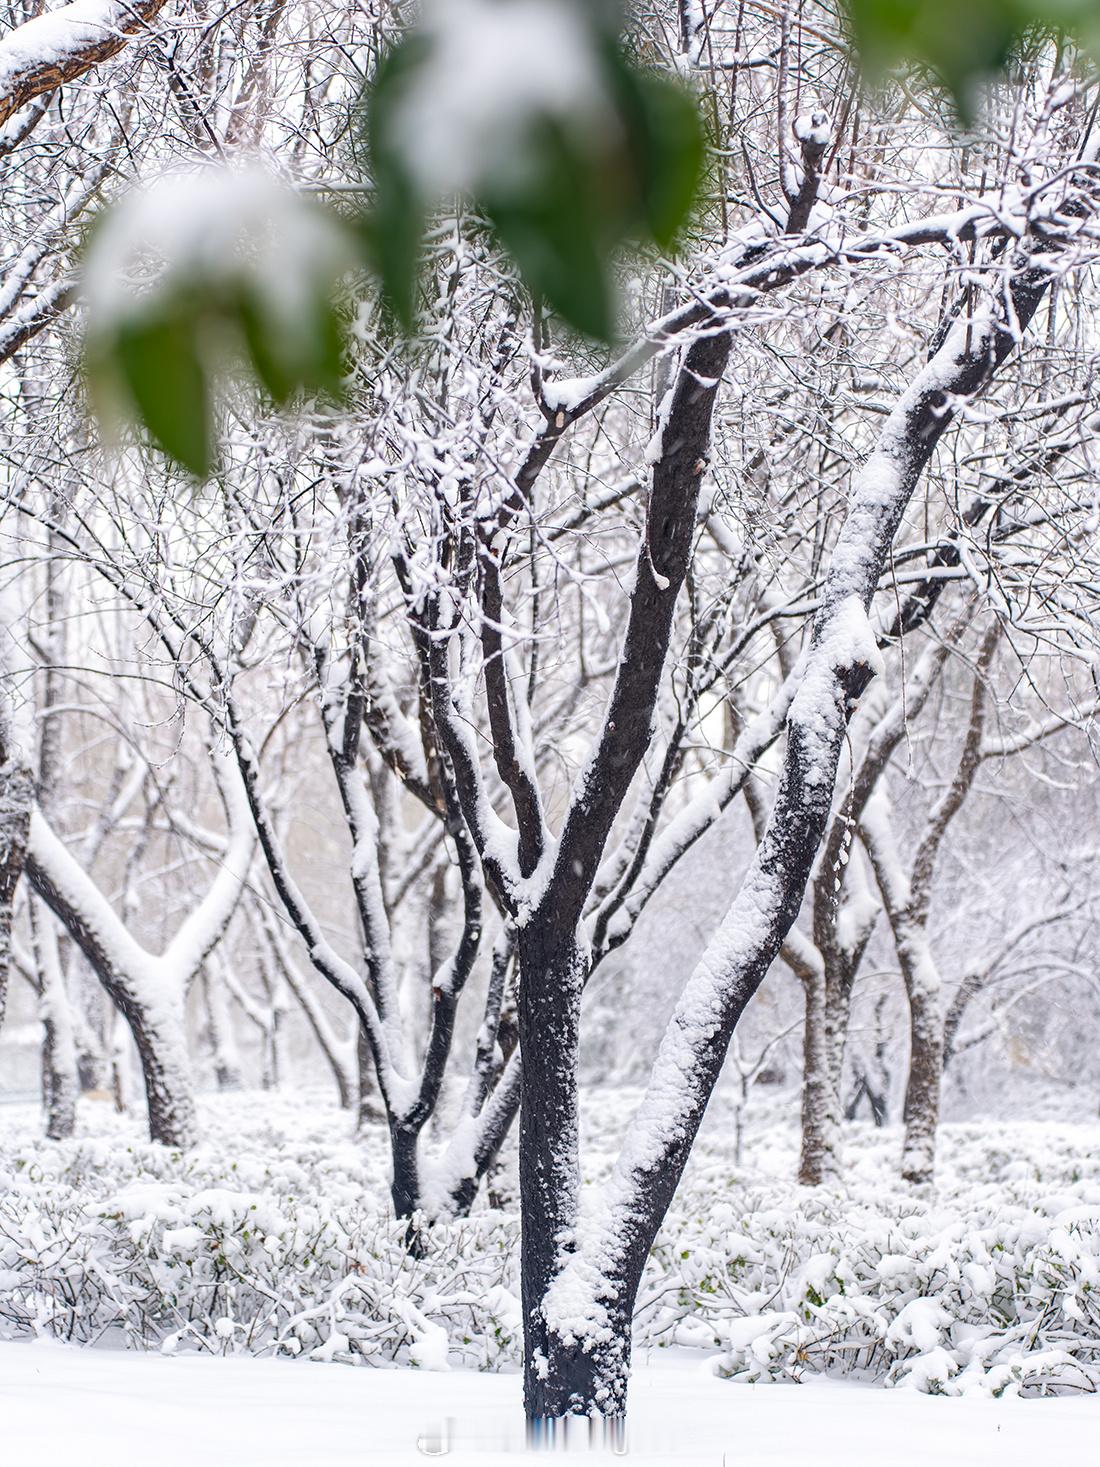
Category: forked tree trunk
[580,1289]
[560,1377]
[157,1027]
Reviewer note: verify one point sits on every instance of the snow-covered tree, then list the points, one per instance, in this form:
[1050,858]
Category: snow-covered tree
[481,653]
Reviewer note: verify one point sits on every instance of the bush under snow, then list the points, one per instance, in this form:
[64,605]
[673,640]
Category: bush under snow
[274,1237]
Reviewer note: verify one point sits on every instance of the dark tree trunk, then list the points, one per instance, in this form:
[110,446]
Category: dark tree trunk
[695,1045]
[576,1381]
[552,976]
[560,1377]
[405,1187]
[820,1121]
[16,797]
[922,1092]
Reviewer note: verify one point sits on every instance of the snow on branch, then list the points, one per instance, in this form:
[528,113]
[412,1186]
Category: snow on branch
[614,1237]
[106,940]
[45,53]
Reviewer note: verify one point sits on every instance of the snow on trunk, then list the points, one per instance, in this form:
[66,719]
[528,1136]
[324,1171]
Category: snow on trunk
[149,990]
[584,1314]
[16,796]
[60,1082]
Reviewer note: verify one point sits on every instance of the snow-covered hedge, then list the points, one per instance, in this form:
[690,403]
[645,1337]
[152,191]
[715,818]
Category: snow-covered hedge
[996,1295]
[265,1246]
[274,1239]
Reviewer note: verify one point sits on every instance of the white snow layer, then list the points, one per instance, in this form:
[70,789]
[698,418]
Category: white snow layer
[48,39]
[63,1405]
[210,224]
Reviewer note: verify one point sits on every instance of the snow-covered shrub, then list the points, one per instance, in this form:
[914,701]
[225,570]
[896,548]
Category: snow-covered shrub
[990,1285]
[275,1237]
[291,1254]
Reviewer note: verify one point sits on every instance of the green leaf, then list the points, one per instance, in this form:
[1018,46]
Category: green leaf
[666,140]
[674,155]
[393,234]
[393,231]
[565,200]
[552,225]
[964,43]
[264,348]
[157,355]
[290,356]
[267,304]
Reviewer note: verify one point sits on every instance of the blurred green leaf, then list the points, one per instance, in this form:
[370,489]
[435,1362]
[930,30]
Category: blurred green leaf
[288,357]
[552,226]
[666,138]
[263,299]
[158,358]
[275,373]
[393,230]
[563,199]
[964,43]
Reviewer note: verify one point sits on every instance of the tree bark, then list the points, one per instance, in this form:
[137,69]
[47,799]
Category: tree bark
[60,1078]
[16,798]
[405,1186]
[42,55]
[922,1091]
[818,1161]
[557,1378]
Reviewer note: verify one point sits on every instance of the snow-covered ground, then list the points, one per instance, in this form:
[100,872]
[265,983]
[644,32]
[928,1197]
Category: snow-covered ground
[61,1405]
[223,1293]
